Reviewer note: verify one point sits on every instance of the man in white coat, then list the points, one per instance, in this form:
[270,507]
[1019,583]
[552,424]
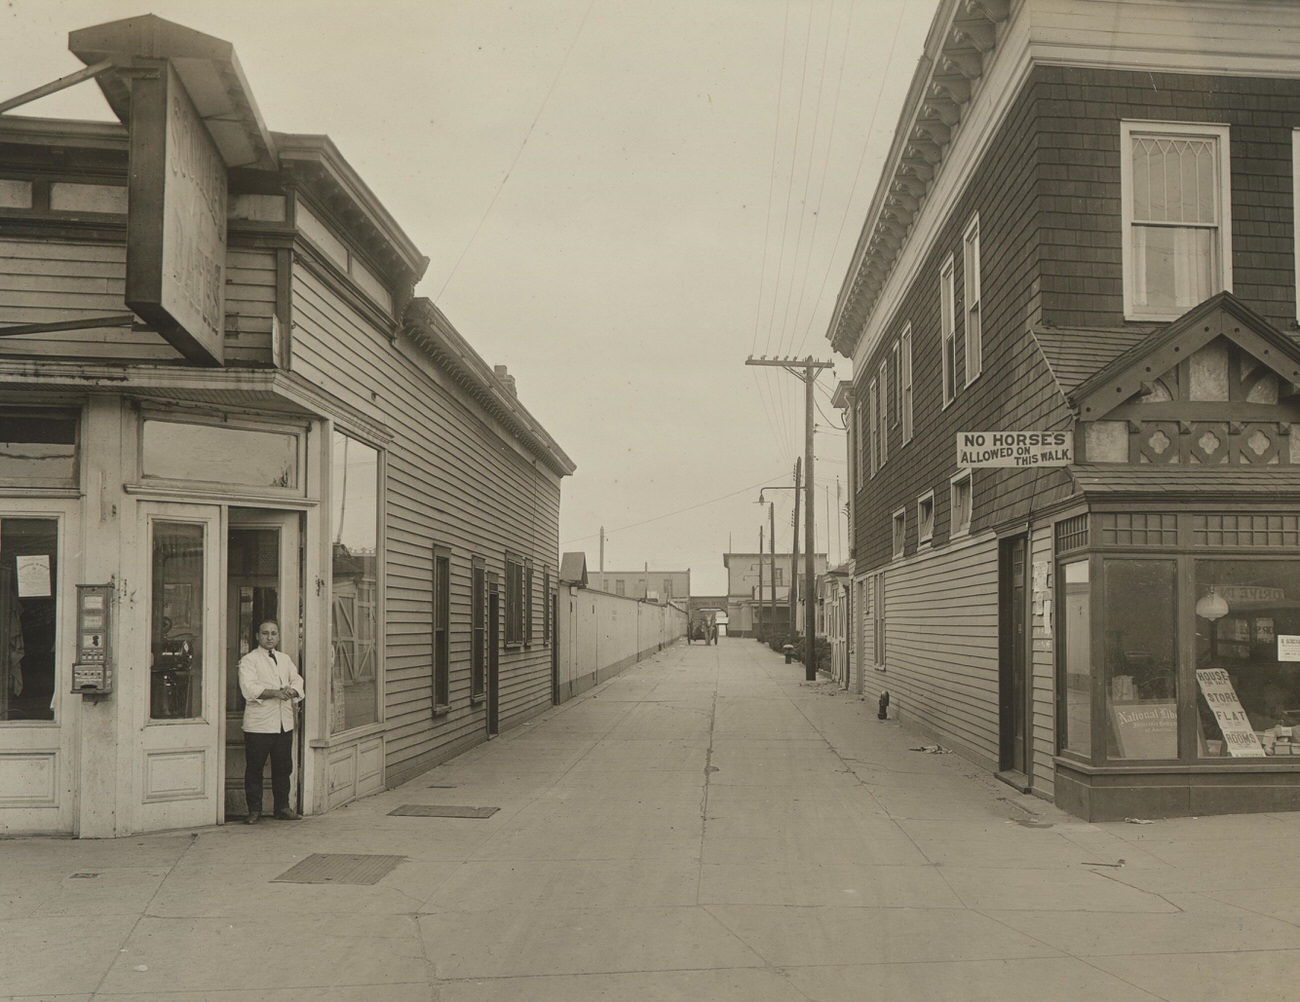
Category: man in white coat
[272,690]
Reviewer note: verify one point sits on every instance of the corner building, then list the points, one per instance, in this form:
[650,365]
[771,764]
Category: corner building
[220,402]
[1087,224]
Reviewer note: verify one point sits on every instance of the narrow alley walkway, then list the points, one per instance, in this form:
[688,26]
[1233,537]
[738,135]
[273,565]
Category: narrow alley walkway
[706,826]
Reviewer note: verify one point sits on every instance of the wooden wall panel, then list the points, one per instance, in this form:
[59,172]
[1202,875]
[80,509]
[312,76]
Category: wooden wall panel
[455,478]
[942,645]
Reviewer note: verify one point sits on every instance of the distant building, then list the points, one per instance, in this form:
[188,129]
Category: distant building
[749,611]
[653,586]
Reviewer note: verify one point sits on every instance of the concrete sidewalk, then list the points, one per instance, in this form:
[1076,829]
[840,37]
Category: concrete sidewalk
[706,826]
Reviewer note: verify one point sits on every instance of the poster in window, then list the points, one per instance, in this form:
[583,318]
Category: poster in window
[33,575]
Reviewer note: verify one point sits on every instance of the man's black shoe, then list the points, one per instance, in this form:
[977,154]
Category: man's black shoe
[287,814]
[253,818]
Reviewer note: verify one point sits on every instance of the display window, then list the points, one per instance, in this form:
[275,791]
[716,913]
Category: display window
[1248,658]
[1184,655]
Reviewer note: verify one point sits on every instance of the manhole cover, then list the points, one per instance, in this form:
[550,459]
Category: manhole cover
[442,811]
[339,868]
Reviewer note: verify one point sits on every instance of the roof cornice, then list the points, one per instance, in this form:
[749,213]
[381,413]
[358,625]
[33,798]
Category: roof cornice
[426,327]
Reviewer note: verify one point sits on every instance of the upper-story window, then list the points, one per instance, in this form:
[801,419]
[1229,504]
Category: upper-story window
[905,383]
[884,412]
[1176,215]
[873,447]
[970,245]
[948,328]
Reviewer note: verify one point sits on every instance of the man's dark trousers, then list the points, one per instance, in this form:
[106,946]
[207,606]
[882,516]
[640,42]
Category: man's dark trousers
[257,747]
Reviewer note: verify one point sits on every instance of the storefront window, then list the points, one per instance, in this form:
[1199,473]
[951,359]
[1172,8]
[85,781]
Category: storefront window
[1140,629]
[1248,658]
[217,454]
[38,449]
[354,620]
[28,614]
[1076,638]
[176,672]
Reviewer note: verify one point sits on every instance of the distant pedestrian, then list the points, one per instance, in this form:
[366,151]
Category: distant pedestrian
[272,690]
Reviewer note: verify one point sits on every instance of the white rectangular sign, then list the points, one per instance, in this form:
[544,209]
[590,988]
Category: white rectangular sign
[1014,448]
[1238,735]
[1288,647]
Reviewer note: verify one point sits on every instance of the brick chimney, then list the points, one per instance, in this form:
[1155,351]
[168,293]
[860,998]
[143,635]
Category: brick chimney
[504,375]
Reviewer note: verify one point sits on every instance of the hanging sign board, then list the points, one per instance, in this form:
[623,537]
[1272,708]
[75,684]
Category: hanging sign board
[1014,448]
[176,219]
[1238,736]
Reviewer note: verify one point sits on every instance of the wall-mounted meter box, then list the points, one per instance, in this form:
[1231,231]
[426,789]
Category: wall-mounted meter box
[92,674]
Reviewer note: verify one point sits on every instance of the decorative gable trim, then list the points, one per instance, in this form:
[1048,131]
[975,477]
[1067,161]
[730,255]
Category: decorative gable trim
[1220,316]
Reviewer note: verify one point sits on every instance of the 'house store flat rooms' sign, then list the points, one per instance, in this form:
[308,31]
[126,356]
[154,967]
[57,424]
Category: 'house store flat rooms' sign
[1015,448]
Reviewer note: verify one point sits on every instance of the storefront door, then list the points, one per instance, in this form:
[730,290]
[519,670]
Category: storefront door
[178,693]
[262,574]
[1013,656]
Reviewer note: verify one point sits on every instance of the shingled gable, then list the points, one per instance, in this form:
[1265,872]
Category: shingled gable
[1155,354]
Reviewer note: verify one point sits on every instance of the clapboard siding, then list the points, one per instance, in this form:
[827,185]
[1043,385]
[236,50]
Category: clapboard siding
[941,644]
[455,478]
[46,281]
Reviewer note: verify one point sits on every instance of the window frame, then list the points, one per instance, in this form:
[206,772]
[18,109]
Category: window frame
[884,411]
[898,533]
[966,477]
[972,317]
[1129,128]
[440,627]
[514,600]
[873,408]
[48,414]
[925,518]
[478,628]
[905,384]
[948,329]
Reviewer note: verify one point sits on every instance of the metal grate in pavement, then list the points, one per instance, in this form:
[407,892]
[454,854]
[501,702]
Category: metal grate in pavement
[442,811]
[339,868]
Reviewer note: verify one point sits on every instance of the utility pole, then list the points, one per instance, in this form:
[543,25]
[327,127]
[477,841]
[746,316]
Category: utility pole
[602,549]
[771,521]
[794,559]
[809,368]
[759,606]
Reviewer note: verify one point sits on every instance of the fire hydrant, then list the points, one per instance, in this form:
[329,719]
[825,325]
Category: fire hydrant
[789,652]
[883,712]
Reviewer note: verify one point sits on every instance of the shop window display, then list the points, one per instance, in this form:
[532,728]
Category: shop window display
[1141,658]
[1248,658]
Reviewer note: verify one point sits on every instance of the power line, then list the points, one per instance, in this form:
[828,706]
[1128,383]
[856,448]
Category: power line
[671,514]
[518,153]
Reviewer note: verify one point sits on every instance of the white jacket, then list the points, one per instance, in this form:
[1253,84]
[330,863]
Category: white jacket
[258,671]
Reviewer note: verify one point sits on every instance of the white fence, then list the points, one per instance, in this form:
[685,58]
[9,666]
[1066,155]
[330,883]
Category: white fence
[598,635]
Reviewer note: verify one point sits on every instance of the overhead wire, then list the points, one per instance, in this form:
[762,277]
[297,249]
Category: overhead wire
[671,514]
[826,165]
[807,179]
[519,152]
[862,158]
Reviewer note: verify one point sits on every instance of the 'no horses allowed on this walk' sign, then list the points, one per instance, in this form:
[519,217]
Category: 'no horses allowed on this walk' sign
[1015,448]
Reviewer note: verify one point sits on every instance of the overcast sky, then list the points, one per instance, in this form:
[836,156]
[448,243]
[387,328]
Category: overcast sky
[621,201]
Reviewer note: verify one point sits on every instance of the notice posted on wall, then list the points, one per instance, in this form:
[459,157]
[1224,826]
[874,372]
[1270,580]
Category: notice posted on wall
[1238,736]
[33,575]
[1014,448]
[1288,647]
